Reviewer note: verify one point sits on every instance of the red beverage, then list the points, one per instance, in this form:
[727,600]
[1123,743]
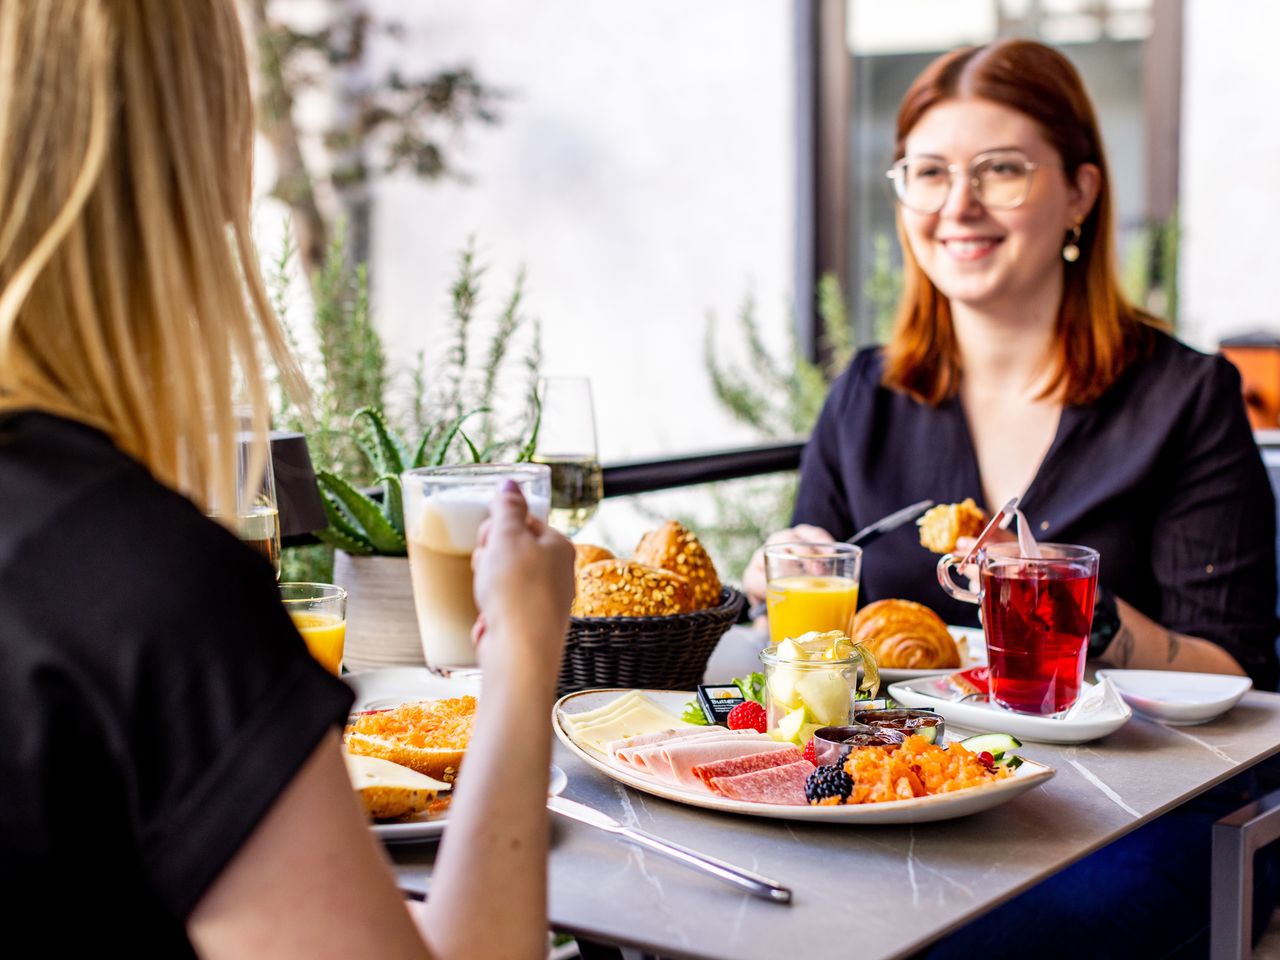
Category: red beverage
[1036,615]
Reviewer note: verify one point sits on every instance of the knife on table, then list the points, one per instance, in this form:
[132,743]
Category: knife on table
[753,883]
[868,534]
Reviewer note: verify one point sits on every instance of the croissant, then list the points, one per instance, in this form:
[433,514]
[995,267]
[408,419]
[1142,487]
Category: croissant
[942,525]
[905,635]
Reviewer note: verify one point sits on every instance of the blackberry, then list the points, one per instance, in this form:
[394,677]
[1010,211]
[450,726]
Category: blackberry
[829,781]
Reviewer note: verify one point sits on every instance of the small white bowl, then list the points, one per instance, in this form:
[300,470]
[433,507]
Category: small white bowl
[1177,698]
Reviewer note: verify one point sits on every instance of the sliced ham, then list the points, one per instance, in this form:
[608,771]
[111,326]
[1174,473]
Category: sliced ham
[784,785]
[706,772]
[676,761]
[648,739]
[640,756]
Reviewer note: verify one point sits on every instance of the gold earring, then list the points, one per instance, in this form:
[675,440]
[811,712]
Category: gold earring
[1071,250]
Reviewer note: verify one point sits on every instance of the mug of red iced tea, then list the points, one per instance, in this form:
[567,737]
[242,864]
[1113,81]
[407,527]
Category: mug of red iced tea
[1036,617]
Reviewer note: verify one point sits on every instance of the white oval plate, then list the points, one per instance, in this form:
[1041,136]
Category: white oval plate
[936,694]
[972,654]
[392,686]
[405,831]
[944,806]
[1180,699]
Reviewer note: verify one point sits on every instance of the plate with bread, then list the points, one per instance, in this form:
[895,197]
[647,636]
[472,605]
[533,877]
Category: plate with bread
[404,750]
[909,640]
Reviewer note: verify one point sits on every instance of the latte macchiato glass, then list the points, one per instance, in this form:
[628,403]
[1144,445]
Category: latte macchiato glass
[443,510]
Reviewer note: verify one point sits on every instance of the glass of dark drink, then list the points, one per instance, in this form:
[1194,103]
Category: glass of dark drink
[1036,617]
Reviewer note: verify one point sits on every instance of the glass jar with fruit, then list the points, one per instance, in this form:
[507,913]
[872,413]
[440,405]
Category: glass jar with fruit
[811,681]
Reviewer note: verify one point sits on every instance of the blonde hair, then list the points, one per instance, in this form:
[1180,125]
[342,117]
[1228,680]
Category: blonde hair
[130,298]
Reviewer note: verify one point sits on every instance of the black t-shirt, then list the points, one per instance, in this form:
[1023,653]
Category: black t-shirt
[1161,475]
[154,696]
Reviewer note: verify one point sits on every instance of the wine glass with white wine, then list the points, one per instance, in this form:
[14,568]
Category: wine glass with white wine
[567,444]
[257,510]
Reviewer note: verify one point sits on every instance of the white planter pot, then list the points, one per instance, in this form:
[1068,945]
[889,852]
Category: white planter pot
[382,626]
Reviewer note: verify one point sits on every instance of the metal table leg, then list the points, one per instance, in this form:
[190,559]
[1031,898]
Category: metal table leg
[1236,838]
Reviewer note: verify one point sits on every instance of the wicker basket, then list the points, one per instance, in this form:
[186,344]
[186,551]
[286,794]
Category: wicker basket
[657,653]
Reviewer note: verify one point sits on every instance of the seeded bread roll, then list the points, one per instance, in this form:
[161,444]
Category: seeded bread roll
[941,526]
[585,553]
[672,547]
[624,588]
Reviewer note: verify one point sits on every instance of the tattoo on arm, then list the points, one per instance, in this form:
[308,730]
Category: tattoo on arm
[1121,649]
[1174,645]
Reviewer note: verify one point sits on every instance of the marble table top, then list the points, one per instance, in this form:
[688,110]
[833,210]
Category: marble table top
[887,889]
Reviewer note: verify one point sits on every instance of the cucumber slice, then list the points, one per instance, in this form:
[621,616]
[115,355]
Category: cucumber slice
[1010,761]
[995,744]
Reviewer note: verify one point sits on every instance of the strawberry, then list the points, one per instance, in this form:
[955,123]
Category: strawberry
[809,752]
[748,715]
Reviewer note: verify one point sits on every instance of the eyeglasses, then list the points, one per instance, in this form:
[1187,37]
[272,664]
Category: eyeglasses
[1001,180]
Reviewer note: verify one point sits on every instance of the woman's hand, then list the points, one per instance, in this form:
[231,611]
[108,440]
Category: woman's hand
[523,586]
[754,580]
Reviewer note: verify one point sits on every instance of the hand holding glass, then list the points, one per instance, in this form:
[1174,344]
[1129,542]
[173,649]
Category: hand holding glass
[1036,616]
[443,510]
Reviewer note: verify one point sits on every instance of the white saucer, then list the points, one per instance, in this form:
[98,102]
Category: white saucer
[1099,711]
[1176,698]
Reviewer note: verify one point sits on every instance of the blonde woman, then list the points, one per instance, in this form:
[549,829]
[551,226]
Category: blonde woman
[171,781]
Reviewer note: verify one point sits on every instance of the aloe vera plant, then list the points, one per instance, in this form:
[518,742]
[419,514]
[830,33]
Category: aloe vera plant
[364,525]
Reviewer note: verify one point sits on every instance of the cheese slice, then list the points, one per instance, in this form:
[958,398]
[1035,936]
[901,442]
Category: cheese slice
[638,715]
[613,707]
[390,790]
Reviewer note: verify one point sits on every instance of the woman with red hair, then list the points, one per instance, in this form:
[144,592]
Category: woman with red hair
[1018,368]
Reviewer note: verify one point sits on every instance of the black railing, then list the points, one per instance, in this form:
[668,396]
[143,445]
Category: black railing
[648,476]
[625,479]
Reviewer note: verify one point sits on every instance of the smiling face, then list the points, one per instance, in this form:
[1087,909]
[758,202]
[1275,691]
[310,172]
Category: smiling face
[984,258]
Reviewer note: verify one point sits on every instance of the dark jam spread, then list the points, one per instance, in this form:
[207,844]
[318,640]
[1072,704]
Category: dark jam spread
[833,744]
[908,722]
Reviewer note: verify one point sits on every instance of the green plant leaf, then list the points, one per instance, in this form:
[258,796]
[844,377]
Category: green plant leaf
[389,458]
[340,519]
[476,456]
[527,451]
[359,548]
[446,440]
[384,537]
[393,500]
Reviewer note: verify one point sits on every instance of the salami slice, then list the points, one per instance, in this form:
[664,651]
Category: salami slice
[737,766]
[784,785]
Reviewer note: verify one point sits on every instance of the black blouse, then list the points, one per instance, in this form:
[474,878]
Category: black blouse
[1161,475]
[155,696]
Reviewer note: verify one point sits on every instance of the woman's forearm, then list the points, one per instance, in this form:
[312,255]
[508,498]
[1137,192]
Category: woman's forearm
[489,889]
[1142,644]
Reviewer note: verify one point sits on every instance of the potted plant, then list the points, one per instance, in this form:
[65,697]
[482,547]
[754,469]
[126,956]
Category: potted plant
[368,534]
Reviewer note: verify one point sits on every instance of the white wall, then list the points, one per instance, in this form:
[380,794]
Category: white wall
[1230,177]
[643,171]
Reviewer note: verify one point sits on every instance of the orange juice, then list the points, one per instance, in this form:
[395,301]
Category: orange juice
[800,604]
[325,635]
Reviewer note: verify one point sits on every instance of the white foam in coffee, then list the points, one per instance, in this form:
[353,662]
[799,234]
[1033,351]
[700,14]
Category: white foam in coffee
[450,520]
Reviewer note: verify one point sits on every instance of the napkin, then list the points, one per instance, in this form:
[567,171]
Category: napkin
[1097,702]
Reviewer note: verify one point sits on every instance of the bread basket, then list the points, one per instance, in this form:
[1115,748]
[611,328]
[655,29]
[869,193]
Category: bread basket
[656,653]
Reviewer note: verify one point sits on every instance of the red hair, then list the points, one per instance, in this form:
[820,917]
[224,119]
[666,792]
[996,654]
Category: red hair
[1099,332]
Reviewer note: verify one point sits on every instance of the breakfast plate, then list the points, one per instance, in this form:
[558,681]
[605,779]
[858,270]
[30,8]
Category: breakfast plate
[1098,712]
[943,806]
[413,830]
[1179,699]
[392,686]
[973,653]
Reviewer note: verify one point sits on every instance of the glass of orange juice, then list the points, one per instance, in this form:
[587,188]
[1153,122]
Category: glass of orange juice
[811,586]
[319,611]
